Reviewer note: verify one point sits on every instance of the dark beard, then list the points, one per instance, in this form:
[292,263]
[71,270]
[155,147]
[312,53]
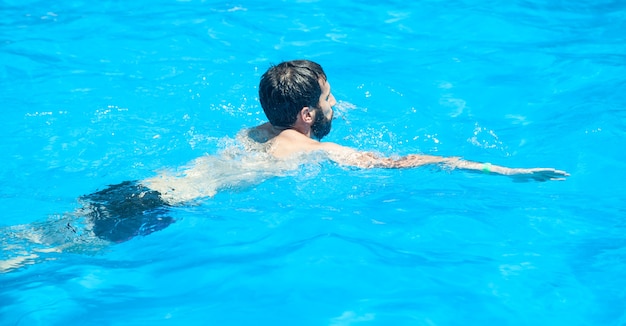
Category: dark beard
[321,126]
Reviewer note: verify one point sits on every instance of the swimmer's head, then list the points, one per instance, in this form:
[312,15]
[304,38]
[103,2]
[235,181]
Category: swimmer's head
[288,87]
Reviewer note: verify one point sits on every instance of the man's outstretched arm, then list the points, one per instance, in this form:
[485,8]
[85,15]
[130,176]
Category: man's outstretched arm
[348,156]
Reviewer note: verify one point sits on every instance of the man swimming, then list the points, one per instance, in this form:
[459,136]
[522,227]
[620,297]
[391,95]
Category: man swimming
[297,100]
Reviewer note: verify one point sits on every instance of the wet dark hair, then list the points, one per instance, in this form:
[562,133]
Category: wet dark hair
[288,87]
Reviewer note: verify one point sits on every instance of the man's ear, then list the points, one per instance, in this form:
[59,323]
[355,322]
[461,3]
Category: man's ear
[307,114]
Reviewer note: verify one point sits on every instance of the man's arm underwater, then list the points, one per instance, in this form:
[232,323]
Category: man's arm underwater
[349,156]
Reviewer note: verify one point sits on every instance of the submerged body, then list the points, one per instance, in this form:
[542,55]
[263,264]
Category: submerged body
[123,211]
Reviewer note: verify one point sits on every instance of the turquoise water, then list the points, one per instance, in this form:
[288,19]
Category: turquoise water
[98,93]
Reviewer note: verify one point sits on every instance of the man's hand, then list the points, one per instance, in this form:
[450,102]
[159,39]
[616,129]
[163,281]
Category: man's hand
[537,174]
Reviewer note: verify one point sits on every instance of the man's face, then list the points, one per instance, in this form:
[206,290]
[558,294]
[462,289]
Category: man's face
[323,112]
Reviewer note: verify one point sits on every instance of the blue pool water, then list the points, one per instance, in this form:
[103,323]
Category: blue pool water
[96,93]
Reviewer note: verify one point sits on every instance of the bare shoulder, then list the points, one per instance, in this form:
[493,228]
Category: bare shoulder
[290,142]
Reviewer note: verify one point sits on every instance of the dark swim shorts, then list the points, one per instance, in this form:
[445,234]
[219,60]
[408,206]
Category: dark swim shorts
[123,211]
